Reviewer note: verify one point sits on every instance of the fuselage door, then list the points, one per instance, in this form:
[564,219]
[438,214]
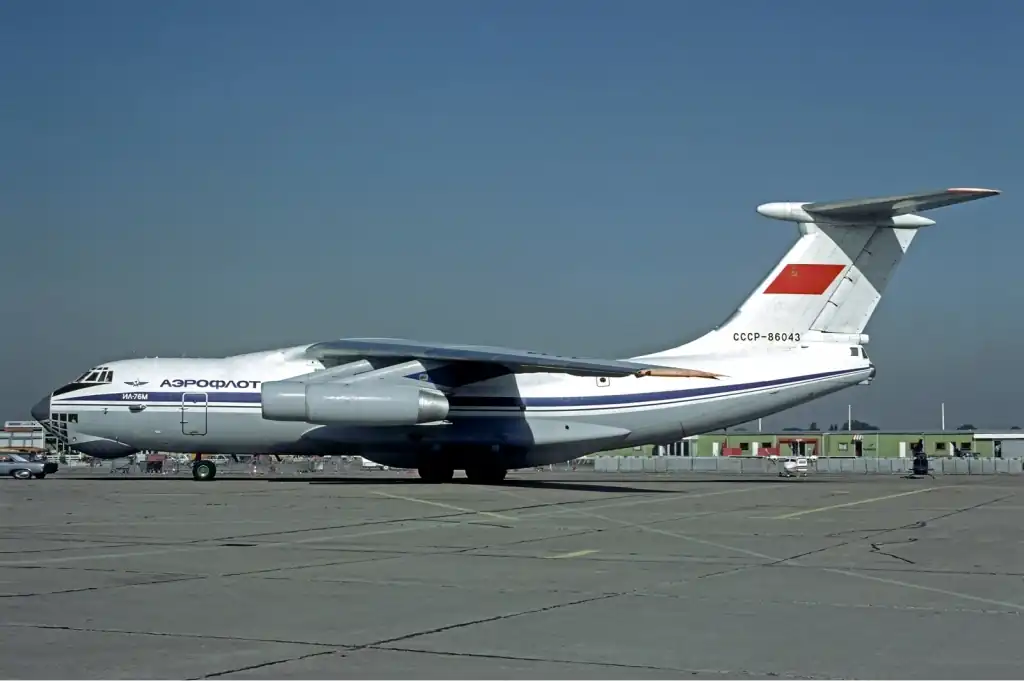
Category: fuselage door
[193,413]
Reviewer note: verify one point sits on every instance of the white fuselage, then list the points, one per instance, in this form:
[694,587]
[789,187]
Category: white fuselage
[214,406]
[795,338]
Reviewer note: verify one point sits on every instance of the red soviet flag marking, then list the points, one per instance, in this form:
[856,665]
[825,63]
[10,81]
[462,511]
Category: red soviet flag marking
[802,279]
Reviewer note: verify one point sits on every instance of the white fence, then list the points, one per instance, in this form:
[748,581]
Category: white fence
[763,465]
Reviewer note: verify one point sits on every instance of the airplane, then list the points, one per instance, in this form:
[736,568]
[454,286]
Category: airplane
[439,408]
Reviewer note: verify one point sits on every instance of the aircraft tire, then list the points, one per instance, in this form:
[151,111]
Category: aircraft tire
[204,470]
[436,473]
[486,475]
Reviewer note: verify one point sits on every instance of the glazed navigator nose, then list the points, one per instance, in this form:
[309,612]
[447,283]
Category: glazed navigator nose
[41,412]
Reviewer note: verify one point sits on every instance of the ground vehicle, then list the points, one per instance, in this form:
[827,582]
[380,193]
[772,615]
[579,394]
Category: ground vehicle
[23,468]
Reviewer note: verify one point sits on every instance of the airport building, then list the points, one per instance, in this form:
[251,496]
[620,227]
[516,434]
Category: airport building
[24,435]
[854,444]
[30,435]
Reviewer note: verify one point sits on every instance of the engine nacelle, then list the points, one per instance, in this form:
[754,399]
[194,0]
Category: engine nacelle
[363,404]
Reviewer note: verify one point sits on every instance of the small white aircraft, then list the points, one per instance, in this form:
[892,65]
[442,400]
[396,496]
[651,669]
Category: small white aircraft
[440,408]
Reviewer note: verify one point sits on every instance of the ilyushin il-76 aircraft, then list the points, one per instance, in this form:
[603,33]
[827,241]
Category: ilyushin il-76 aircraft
[440,408]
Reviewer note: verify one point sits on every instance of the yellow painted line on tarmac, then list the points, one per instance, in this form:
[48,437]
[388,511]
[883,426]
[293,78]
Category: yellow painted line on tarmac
[797,514]
[574,554]
[450,507]
[922,587]
[645,499]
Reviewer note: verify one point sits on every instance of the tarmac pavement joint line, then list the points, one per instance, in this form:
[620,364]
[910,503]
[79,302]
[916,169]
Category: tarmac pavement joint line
[426,524]
[457,643]
[630,502]
[934,589]
[269,663]
[450,507]
[573,554]
[342,649]
[676,535]
[729,674]
[797,514]
[565,509]
[418,524]
[625,523]
[795,563]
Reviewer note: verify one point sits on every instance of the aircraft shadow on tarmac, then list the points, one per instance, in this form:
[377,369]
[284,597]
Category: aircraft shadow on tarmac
[405,482]
[618,487]
[522,484]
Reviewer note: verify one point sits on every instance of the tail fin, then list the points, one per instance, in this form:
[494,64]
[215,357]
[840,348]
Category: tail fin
[828,285]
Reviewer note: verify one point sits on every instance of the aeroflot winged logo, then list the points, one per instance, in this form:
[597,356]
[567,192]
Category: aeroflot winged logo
[217,383]
[136,384]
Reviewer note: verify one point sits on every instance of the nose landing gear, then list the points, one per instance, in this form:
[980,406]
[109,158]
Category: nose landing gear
[203,470]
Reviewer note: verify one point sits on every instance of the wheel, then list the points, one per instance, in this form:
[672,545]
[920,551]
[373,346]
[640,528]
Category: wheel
[486,474]
[436,473]
[22,474]
[204,470]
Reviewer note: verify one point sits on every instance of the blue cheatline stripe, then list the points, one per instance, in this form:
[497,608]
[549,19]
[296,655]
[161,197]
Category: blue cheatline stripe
[466,402]
[141,396]
[640,398]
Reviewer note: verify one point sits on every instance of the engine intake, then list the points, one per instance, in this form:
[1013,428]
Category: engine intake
[361,404]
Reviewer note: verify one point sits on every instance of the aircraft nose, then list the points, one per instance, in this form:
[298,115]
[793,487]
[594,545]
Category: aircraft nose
[41,412]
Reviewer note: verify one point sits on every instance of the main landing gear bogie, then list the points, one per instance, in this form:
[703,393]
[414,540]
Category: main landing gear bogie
[436,473]
[204,470]
[476,475]
[486,474]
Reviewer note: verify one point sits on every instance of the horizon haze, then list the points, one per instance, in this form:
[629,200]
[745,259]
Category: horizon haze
[200,178]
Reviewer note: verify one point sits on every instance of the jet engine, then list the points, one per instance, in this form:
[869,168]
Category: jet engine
[384,403]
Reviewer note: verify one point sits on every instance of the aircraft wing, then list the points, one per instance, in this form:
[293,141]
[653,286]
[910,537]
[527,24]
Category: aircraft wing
[517,361]
[890,206]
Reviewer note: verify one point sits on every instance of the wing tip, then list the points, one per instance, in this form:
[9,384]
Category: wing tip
[974,190]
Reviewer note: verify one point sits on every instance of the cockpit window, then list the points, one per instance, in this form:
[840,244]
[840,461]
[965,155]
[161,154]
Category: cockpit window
[97,376]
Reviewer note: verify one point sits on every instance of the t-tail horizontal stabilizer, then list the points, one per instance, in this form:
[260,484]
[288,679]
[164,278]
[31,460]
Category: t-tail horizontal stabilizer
[827,286]
[891,211]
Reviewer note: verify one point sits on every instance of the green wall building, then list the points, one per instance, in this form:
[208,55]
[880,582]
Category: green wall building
[869,443]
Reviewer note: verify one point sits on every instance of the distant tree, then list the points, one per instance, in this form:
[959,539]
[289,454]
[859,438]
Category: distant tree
[813,426]
[858,425]
[966,426]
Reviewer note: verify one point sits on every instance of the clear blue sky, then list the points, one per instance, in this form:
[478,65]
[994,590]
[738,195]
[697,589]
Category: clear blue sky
[207,177]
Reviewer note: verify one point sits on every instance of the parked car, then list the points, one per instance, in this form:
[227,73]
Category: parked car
[21,467]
